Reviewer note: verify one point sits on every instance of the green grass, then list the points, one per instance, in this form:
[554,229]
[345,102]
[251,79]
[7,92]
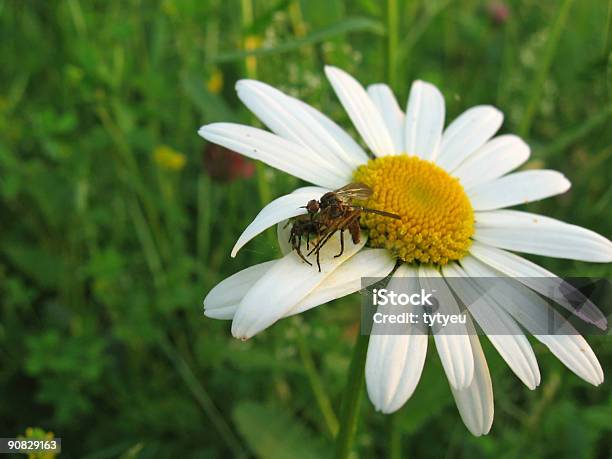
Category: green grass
[105,255]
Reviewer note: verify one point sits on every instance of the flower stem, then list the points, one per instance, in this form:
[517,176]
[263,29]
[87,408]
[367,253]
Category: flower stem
[392,40]
[250,62]
[352,398]
[395,435]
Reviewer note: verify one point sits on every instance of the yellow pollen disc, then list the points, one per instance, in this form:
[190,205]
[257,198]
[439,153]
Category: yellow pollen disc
[437,219]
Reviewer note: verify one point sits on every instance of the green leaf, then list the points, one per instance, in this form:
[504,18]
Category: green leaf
[273,433]
[45,268]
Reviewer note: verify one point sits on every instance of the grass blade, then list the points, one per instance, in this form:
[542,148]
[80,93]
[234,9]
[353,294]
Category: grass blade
[535,91]
[340,28]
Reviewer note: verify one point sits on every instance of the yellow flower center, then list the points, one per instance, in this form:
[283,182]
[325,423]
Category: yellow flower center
[437,219]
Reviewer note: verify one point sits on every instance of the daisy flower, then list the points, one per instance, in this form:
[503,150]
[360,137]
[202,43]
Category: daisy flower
[451,187]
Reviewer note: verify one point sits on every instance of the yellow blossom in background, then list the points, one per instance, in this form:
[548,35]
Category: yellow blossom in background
[251,42]
[37,433]
[169,8]
[215,82]
[169,159]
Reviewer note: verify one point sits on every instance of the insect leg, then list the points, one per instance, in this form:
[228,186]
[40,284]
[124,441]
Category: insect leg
[322,241]
[299,252]
[341,243]
[326,235]
[298,249]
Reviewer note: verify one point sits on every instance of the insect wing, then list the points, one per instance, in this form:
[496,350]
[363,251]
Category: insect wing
[380,212]
[358,191]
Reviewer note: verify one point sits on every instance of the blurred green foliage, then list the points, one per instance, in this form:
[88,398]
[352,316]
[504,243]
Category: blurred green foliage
[107,251]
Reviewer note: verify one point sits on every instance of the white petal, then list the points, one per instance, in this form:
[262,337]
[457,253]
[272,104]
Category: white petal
[278,210]
[285,284]
[494,159]
[540,280]
[454,350]
[394,363]
[539,235]
[475,403]
[424,121]
[222,301]
[576,354]
[467,134]
[355,154]
[518,188]
[289,119]
[393,369]
[391,113]
[275,151]
[503,332]
[283,231]
[224,313]
[361,110]
[346,279]
[530,310]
